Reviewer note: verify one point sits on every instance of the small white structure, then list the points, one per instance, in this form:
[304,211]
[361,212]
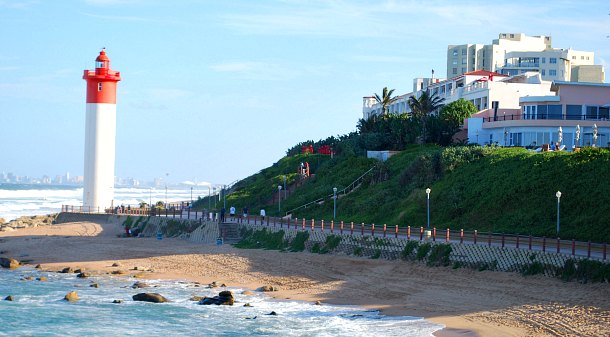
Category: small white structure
[100,134]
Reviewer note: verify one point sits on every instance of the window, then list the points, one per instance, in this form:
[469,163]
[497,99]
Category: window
[591,112]
[455,52]
[542,112]
[512,36]
[99,86]
[552,72]
[454,61]
[543,59]
[552,60]
[603,113]
[454,71]
[573,57]
[463,61]
[587,58]
[573,112]
[582,57]
[463,70]
[555,111]
[464,51]
[99,64]
[542,72]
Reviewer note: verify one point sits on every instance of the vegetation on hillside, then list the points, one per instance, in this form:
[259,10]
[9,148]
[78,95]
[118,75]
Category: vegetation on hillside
[502,190]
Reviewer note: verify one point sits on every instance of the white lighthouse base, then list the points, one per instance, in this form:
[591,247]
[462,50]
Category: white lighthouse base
[100,132]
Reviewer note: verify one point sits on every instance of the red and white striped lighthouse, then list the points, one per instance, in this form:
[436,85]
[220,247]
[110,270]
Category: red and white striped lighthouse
[100,133]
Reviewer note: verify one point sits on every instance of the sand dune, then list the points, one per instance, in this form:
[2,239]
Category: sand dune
[486,303]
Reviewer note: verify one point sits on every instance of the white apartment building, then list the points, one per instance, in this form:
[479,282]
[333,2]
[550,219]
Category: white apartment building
[480,87]
[517,53]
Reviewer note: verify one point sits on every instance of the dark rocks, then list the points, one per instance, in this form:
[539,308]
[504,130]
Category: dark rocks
[273,313]
[38,266]
[94,285]
[67,270]
[268,288]
[150,297]
[7,262]
[79,271]
[118,272]
[42,278]
[83,275]
[223,298]
[139,285]
[116,264]
[9,298]
[71,296]
[247,305]
[117,301]
[318,303]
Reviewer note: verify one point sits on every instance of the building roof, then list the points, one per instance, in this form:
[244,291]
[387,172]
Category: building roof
[582,84]
[482,72]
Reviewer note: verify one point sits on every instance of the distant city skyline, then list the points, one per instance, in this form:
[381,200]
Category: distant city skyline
[217,91]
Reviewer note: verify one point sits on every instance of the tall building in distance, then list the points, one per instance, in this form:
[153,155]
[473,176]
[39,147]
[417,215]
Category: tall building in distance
[516,53]
[100,134]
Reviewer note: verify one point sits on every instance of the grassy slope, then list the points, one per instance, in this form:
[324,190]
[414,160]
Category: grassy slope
[508,190]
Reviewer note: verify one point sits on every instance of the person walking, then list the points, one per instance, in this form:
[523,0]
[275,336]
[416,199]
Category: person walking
[232,213]
[222,214]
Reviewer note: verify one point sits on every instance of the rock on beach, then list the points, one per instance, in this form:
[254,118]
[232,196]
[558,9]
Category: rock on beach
[150,297]
[223,298]
[7,262]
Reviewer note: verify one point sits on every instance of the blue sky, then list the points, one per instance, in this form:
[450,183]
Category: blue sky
[217,90]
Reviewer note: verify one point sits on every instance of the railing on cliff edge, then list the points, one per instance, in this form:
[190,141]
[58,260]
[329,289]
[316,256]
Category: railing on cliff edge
[344,191]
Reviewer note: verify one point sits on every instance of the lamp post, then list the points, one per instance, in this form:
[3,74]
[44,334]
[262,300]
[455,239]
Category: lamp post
[334,202]
[209,197]
[285,190]
[224,196]
[558,195]
[279,199]
[428,190]
[191,196]
[150,197]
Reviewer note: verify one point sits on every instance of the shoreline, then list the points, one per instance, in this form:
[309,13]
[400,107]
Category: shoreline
[466,302]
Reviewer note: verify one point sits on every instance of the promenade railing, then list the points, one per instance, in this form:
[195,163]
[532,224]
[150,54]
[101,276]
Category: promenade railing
[527,242]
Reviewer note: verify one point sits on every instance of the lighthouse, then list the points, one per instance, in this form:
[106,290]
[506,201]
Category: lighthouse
[100,134]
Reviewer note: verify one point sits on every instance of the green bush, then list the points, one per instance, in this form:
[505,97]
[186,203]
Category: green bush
[533,268]
[409,251]
[422,251]
[376,254]
[358,251]
[439,255]
[298,243]
[332,241]
[316,248]
[262,238]
[128,222]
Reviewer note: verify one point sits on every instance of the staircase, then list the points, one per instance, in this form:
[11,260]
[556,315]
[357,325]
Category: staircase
[229,232]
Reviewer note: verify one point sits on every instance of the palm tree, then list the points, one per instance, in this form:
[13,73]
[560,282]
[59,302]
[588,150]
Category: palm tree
[385,99]
[423,106]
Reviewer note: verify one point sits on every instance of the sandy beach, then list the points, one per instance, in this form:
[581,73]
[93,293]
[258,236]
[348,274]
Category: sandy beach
[467,302]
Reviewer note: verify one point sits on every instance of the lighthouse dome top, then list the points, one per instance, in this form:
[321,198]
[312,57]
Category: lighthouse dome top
[102,61]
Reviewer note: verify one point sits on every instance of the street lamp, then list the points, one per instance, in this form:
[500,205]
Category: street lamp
[191,196]
[558,195]
[279,199]
[334,202]
[428,190]
[150,197]
[209,197]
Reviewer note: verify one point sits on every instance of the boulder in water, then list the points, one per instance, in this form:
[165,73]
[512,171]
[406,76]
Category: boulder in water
[223,298]
[150,297]
[9,298]
[71,296]
[139,285]
[67,270]
[7,262]
[83,275]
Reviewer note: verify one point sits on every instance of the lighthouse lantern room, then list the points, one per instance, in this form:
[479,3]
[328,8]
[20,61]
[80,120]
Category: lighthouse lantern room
[100,134]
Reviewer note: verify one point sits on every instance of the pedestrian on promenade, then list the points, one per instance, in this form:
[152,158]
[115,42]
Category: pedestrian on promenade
[222,214]
[245,212]
[262,214]
[232,213]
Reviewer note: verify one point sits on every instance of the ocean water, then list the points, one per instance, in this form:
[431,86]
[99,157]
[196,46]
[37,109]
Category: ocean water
[38,310]
[18,199]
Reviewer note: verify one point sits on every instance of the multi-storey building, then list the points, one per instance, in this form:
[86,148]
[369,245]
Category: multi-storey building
[580,109]
[517,53]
